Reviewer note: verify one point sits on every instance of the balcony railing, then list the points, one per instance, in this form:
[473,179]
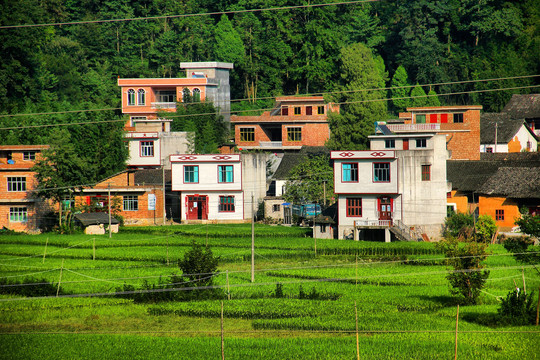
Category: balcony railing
[413,127]
[163,105]
[383,223]
[271,144]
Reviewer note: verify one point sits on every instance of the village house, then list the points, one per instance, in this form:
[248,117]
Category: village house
[218,187]
[395,190]
[295,121]
[498,185]
[460,125]
[525,107]
[19,207]
[501,133]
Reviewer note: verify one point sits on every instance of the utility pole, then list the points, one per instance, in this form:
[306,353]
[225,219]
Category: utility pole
[164,208]
[109,201]
[496,137]
[324,192]
[252,241]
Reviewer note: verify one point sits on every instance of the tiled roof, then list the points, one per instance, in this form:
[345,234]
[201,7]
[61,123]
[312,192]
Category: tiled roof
[152,177]
[523,106]
[507,127]
[95,218]
[288,162]
[514,182]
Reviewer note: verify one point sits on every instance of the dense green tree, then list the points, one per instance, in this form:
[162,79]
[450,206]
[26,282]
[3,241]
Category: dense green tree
[362,101]
[418,97]
[199,266]
[309,180]
[400,89]
[432,99]
[228,45]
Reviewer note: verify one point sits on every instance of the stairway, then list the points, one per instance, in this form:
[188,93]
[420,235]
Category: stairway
[405,233]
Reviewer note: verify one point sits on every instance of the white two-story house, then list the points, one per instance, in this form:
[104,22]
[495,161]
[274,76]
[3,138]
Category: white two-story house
[398,187]
[210,186]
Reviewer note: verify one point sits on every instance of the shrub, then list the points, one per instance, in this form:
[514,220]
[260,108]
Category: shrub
[485,228]
[455,224]
[518,308]
[39,287]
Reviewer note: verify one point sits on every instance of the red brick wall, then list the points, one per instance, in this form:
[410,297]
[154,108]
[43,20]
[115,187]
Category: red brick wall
[464,145]
[312,134]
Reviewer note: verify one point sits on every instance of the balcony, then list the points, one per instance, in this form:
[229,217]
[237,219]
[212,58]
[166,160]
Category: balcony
[372,223]
[164,105]
[271,144]
[413,127]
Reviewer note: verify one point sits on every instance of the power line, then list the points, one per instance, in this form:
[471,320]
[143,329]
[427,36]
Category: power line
[189,15]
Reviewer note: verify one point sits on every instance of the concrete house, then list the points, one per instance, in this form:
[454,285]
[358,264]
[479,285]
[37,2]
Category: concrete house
[19,208]
[501,133]
[395,190]
[295,121]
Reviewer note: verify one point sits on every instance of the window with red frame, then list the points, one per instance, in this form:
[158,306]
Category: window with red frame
[226,204]
[499,214]
[354,206]
[426,172]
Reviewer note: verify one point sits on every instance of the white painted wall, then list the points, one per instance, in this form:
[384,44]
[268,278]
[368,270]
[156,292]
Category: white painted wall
[213,205]
[134,145]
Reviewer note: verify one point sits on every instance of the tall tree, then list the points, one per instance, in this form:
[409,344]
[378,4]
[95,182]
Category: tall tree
[310,181]
[362,100]
[400,89]
[418,97]
[228,45]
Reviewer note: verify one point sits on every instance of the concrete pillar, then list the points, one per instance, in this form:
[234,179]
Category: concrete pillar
[387,236]
[355,233]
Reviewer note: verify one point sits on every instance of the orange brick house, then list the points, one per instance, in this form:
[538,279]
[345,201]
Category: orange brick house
[460,124]
[19,209]
[295,121]
[498,185]
[139,194]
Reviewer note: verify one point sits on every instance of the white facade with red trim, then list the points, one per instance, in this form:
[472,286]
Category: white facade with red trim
[144,149]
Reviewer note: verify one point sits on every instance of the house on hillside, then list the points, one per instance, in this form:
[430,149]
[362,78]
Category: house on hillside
[500,133]
[459,124]
[20,209]
[295,121]
[395,190]
[527,108]
[149,136]
[498,185]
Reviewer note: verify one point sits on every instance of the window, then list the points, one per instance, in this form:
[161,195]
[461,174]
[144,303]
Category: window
[141,97]
[196,95]
[131,203]
[226,203]
[166,96]
[225,173]
[426,172]
[29,155]
[147,148]
[421,143]
[458,117]
[276,208]
[444,118]
[247,134]
[297,110]
[18,214]
[16,183]
[420,119]
[131,97]
[433,118]
[354,206]
[499,214]
[191,173]
[309,110]
[381,172]
[320,110]
[489,149]
[294,134]
[285,110]
[390,144]
[350,172]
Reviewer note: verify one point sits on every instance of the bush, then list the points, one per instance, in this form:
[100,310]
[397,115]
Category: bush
[39,287]
[457,223]
[518,308]
[485,228]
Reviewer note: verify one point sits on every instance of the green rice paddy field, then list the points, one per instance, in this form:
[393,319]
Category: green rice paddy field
[397,292]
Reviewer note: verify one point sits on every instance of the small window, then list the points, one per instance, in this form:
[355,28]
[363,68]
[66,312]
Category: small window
[18,214]
[297,110]
[390,144]
[191,173]
[247,134]
[309,110]
[141,97]
[225,173]
[354,206]
[420,119]
[433,118]
[15,184]
[226,203]
[350,172]
[147,148]
[421,143]
[381,172]
[499,215]
[489,149]
[131,203]
[294,134]
[320,110]
[131,97]
[444,118]
[426,172]
[29,155]
[196,95]
[276,208]
[285,110]
[458,117]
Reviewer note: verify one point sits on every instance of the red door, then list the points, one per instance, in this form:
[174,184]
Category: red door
[385,208]
[197,207]
[405,144]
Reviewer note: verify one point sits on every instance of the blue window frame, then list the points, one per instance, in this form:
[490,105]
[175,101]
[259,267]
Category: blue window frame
[350,172]
[191,173]
[225,173]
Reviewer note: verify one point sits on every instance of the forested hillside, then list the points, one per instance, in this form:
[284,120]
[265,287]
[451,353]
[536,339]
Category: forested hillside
[285,49]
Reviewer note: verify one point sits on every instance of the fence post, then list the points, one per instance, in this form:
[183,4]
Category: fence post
[60,279]
[457,320]
[167,250]
[357,340]
[222,337]
[228,288]
[45,252]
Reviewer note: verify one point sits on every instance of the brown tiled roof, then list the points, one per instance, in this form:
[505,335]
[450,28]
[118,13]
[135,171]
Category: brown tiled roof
[152,177]
[514,182]
[523,106]
[507,127]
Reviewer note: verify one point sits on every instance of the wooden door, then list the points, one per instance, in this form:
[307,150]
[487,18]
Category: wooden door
[197,207]
[385,208]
